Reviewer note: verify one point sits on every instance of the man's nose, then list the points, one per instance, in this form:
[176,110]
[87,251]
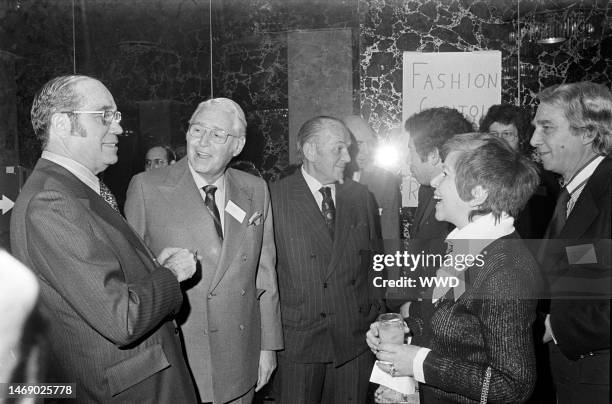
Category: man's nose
[116,128]
[435,181]
[535,138]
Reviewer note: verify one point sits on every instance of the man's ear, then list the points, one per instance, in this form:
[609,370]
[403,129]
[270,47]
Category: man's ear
[588,136]
[479,195]
[309,150]
[433,157]
[239,145]
[60,124]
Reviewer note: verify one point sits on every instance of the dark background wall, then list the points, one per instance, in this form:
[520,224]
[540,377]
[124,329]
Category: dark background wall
[155,55]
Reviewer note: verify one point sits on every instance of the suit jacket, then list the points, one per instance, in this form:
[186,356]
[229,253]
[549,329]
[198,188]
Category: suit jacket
[231,312]
[106,300]
[582,325]
[488,325]
[385,187]
[327,302]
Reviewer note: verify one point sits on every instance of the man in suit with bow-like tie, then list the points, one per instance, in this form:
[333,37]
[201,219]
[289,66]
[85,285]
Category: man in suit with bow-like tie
[324,230]
[106,300]
[231,319]
[573,137]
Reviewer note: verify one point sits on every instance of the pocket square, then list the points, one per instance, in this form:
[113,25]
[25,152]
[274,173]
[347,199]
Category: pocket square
[255,219]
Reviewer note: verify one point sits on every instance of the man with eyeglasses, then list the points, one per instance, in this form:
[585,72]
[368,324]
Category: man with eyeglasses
[158,157]
[106,299]
[231,319]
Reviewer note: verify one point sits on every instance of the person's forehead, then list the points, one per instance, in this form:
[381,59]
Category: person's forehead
[94,94]
[156,152]
[215,116]
[548,112]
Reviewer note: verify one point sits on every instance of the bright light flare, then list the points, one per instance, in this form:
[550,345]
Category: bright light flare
[387,156]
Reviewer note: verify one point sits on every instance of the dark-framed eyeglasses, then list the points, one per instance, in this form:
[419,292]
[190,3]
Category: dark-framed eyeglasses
[506,135]
[108,116]
[216,135]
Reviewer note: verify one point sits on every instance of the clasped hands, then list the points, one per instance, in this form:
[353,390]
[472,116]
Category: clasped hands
[180,261]
[397,359]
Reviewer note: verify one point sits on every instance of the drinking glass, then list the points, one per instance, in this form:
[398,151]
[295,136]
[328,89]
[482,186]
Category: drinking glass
[391,328]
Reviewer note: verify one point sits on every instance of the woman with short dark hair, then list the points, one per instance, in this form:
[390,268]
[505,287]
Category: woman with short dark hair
[478,342]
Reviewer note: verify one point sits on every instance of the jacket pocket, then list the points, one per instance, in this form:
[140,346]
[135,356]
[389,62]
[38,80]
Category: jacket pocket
[125,374]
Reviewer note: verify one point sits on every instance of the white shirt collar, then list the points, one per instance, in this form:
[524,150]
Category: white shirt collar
[481,232]
[201,182]
[584,174]
[77,169]
[314,185]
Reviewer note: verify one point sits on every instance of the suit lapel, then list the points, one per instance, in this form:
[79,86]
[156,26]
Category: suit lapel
[306,205]
[234,231]
[182,195]
[96,204]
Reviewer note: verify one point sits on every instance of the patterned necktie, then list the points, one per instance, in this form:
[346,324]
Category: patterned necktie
[328,209]
[108,196]
[212,208]
[559,216]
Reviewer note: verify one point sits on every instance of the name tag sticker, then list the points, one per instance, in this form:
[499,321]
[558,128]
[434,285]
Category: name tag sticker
[235,211]
[581,254]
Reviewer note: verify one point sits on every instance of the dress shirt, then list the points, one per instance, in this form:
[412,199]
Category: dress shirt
[80,171]
[314,185]
[577,183]
[219,193]
[480,233]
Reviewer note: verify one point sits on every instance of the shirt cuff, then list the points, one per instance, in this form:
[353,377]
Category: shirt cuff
[417,364]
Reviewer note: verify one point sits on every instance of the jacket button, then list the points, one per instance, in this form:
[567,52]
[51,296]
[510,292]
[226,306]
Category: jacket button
[244,258]
[176,330]
[241,327]
[325,285]
[313,256]
[323,315]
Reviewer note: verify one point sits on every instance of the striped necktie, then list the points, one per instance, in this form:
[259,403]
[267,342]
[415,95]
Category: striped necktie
[212,208]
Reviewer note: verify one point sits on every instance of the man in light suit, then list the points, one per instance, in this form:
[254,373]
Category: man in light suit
[106,299]
[231,318]
[384,185]
[324,230]
[573,137]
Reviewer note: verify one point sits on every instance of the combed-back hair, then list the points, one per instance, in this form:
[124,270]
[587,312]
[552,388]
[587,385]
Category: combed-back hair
[227,105]
[313,127]
[588,107]
[57,95]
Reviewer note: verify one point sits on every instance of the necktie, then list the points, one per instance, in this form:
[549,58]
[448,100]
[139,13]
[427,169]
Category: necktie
[559,216]
[212,208]
[108,196]
[328,209]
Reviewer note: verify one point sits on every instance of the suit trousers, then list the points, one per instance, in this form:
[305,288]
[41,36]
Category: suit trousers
[306,383]
[246,398]
[585,380]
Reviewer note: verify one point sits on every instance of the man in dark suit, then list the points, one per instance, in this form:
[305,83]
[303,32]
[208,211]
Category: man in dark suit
[231,317]
[324,229]
[573,137]
[106,300]
[428,131]
[384,185]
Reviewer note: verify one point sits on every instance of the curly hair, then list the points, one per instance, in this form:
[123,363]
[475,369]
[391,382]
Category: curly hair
[511,115]
[431,128]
